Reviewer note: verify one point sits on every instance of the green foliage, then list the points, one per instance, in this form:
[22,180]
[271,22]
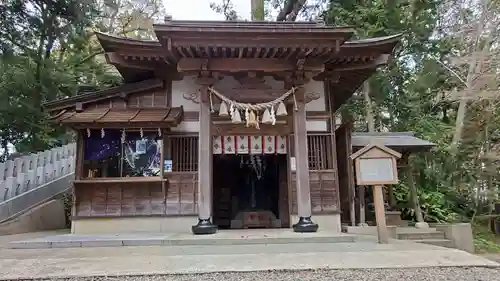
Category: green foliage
[410,95]
[30,31]
[484,240]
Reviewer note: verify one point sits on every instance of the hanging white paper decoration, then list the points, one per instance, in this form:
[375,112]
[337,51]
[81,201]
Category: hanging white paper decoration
[247,115]
[211,103]
[266,117]
[88,132]
[273,117]
[142,133]
[235,117]
[231,110]
[123,136]
[281,111]
[223,109]
[159,132]
[252,110]
[102,133]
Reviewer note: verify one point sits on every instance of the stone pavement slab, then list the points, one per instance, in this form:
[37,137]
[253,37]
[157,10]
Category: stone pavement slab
[169,259]
[232,237]
[120,261]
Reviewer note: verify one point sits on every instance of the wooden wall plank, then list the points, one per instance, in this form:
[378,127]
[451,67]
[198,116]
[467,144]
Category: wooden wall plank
[324,195]
[128,200]
[132,199]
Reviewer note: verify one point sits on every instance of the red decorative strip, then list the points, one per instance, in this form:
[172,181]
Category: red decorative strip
[236,148]
[275,144]
[263,141]
[222,144]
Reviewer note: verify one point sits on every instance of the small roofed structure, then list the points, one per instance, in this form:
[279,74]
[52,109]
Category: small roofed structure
[400,141]
[406,143]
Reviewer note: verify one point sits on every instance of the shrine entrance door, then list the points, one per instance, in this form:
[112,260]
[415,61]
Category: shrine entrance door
[250,186]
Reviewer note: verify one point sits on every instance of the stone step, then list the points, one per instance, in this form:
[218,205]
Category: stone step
[437,242]
[411,229]
[221,238]
[421,235]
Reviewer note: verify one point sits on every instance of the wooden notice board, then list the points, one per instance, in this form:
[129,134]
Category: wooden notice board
[376,165]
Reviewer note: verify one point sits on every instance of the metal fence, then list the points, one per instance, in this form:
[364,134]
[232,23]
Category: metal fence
[33,179]
[28,172]
[34,197]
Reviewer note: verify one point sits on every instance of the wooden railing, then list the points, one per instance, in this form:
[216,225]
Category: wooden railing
[25,173]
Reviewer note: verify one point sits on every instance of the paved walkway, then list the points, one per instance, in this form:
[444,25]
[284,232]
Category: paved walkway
[73,262]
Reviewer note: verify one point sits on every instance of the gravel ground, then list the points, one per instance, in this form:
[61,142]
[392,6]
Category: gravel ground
[424,274]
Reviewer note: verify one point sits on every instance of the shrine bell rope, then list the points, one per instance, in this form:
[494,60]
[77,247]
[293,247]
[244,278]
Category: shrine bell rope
[269,116]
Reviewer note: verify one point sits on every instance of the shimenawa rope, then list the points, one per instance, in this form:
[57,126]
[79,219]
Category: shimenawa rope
[257,106]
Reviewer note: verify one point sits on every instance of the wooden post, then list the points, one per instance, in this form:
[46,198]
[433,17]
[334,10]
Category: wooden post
[80,146]
[79,161]
[162,169]
[348,122]
[413,193]
[305,224]
[362,210]
[378,200]
[204,225]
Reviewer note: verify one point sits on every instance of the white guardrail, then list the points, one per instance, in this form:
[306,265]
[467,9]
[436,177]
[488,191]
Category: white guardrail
[32,179]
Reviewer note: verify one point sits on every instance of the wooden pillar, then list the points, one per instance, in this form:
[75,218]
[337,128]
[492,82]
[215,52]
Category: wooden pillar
[391,199]
[162,169]
[79,161]
[79,158]
[204,225]
[305,224]
[378,200]
[362,206]
[347,120]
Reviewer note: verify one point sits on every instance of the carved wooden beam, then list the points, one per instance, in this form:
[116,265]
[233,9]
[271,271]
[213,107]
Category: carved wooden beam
[333,72]
[380,60]
[116,59]
[295,78]
[246,65]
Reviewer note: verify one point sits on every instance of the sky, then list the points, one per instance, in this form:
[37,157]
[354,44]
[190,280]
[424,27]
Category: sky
[200,9]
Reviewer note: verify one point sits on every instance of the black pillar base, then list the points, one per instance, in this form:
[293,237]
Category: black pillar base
[305,224]
[204,226]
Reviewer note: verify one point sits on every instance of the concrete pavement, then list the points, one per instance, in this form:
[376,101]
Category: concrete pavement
[146,260]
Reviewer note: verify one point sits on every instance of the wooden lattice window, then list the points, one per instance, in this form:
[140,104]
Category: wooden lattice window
[184,151]
[320,152]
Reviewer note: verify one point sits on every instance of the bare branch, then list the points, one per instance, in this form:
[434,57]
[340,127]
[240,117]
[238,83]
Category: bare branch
[289,7]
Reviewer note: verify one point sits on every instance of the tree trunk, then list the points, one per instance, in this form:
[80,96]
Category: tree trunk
[257,9]
[290,10]
[371,128]
[471,74]
[370,120]
[413,189]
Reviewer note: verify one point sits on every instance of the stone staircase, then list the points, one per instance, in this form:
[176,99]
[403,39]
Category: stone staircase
[429,236]
[454,235]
